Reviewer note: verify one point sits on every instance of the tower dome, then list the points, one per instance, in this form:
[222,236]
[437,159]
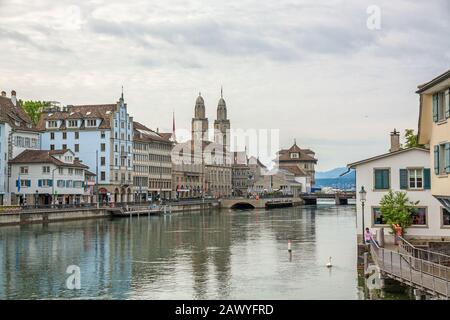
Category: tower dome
[199,107]
[221,107]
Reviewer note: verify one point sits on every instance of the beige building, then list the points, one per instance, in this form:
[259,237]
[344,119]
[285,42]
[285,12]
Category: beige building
[152,164]
[213,158]
[278,180]
[240,173]
[434,132]
[256,170]
[300,162]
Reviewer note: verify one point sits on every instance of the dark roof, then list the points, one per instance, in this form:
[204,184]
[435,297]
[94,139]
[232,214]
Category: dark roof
[10,114]
[384,155]
[45,156]
[104,112]
[431,83]
[145,134]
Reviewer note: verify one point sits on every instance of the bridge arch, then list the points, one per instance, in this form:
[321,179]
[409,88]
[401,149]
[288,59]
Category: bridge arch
[242,205]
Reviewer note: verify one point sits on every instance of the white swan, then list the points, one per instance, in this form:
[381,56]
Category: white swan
[329,265]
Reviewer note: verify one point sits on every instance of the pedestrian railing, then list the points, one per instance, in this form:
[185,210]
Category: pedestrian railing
[419,273]
[431,256]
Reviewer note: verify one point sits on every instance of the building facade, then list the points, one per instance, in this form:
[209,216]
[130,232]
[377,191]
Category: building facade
[434,132]
[101,136]
[405,170]
[301,162]
[240,173]
[152,164]
[44,177]
[17,133]
[277,181]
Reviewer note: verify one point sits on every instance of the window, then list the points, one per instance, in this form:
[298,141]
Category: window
[52,147]
[77,147]
[69,184]
[102,135]
[52,136]
[45,183]
[294,155]
[377,216]
[72,123]
[64,146]
[441,106]
[445,217]
[103,175]
[382,179]
[61,183]
[45,169]
[61,171]
[52,124]
[419,217]
[442,158]
[24,183]
[102,147]
[91,123]
[77,135]
[64,135]
[78,172]
[78,184]
[415,178]
[102,161]
[70,171]
[23,170]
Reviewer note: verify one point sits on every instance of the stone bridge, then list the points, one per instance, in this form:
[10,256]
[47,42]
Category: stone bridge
[244,203]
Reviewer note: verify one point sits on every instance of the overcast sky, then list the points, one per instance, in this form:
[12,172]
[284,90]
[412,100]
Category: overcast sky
[312,69]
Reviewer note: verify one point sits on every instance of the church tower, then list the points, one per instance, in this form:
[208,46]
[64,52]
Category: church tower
[222,127]
[199,122]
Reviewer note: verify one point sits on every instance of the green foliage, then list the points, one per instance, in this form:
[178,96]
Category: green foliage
[412,140]
[397,209]
[34,108]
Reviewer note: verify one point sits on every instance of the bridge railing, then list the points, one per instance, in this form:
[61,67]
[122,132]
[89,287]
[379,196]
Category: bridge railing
[418,272]
[427,255]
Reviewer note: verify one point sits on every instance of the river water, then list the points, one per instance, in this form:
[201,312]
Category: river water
[198,255]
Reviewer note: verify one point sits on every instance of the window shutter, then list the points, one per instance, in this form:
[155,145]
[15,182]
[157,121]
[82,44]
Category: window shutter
[436,159]
[17,183]
[447,103]
[39,183]
[29,183]
[403,179]
[426,178]
[435,107]
[447,157]
[50,183]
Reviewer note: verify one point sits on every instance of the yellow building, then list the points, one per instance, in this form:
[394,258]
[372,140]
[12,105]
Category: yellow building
[434,132]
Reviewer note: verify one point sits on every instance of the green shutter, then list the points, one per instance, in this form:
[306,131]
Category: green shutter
[378,179]
[436,159]
[381,179]
[50,183]
[386,180]
[447,103]
[403,179]
[435,107]
[39,183]
[447,157]
[426,178]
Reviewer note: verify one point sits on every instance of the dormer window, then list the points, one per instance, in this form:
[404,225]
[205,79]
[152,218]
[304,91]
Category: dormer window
[91,123]
[295,155]
[72,123]
[18,123]
[52,124]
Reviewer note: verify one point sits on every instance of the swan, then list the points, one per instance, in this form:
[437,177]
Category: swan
[329,265]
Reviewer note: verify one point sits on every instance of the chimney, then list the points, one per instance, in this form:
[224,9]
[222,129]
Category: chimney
[3,93]
[395,141]
[13,98]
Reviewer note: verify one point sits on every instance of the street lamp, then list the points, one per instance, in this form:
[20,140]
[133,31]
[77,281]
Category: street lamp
[362,198]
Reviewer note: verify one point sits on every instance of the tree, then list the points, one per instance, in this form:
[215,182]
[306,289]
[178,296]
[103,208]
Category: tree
[397,209]
[412,140]
[34,108]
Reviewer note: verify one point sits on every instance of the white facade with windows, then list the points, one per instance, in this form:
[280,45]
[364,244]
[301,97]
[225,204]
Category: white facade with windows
[402,170]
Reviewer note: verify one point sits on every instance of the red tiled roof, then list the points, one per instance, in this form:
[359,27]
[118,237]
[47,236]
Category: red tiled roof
[294,169]
[143,133]
[305,155]
[45,156]
[10,114]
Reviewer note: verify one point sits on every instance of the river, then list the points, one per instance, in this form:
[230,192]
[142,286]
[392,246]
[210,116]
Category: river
[198,255]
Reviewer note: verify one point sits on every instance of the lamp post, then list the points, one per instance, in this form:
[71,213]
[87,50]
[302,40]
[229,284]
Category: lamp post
[362,198]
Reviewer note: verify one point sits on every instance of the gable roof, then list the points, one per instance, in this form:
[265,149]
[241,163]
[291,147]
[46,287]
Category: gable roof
[433,82]
[305,155]
[10,114]
[104,112]
[145,134]
[45,156]
[294,169]
[384,155]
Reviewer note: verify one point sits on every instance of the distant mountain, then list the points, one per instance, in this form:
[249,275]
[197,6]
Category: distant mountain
[335,173]
[331,178]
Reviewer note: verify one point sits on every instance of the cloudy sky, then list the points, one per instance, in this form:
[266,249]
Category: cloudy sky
[312,69]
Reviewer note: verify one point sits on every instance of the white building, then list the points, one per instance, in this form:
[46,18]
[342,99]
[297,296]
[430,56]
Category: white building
[17,133]
[399,170]
[39,174]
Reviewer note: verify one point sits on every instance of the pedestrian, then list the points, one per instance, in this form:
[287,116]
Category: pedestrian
[368,237]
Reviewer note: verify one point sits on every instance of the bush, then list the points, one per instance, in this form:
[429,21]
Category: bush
[397,209]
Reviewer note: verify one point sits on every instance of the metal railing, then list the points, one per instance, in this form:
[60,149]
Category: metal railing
[431,256]
[416,272]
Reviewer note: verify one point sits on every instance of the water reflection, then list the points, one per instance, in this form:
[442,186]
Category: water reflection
[199,255]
